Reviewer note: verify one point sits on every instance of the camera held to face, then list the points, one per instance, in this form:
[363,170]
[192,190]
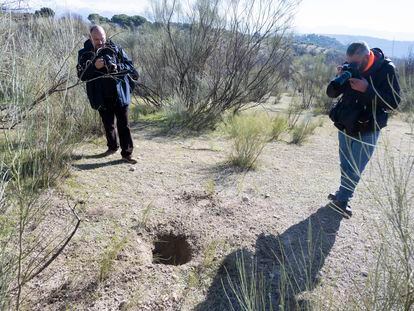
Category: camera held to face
[109,57]
[349,70]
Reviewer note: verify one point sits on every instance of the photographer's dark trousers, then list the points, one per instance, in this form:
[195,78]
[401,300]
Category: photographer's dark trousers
[354,155]
[108,116]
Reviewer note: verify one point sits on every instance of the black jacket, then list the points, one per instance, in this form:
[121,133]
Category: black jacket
[357,112]
[119,86]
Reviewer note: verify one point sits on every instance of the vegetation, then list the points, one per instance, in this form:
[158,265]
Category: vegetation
[320,40]
[249,134]
[98,19]
[310,76]
[302,131]
[406,71]
[185,65]
[200,67]
[128,21]
[44,12]
[42,121]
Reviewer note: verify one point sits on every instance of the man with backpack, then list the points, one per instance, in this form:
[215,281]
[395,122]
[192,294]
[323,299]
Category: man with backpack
[369,91]
[109,76]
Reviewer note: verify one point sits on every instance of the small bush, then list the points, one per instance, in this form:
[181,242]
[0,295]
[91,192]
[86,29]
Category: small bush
[139,109]
[249,134]
[302,131]
[279,126]
[108,257]
[311,75]
[175,113]
[390,280]
[406,79]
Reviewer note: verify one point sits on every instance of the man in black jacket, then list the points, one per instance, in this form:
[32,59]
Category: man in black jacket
[110,79]
[370,90]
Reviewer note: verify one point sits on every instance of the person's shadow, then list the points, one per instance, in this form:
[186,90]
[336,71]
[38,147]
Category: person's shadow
[92,166]
[89,156]
[282,267]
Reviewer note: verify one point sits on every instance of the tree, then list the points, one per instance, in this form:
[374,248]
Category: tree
[120,19]
[97,19]
[137,20]
[228,59]
[44,12]
[124,20]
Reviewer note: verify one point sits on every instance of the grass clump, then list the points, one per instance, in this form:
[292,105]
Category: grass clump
[302,131]
[249,134]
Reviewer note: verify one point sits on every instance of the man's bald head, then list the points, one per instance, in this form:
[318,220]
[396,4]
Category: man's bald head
[98,36]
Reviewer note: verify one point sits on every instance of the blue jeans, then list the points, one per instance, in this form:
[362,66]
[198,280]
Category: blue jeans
[354,155]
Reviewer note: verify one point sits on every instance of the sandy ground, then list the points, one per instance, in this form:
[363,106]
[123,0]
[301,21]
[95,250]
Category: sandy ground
[182,186]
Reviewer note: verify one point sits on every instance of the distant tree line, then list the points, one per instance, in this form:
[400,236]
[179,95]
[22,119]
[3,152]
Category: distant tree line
[320,40]
[44,12]
[122,20]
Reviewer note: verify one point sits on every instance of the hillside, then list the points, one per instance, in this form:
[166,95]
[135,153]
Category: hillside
[320,41]
[391,48]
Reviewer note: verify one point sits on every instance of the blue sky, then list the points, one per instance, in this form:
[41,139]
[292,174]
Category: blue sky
[383,19]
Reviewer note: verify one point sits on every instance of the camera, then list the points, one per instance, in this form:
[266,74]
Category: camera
[349,70]
[109,57]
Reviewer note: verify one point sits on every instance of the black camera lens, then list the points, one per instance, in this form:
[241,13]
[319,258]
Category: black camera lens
[341,79]
[349,70]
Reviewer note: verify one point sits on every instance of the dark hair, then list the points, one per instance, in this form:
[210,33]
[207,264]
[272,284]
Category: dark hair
[359,48]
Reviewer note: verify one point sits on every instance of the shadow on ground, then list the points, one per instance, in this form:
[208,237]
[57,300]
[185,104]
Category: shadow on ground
[92,166]
[283,266]
[70,293]
[77,157]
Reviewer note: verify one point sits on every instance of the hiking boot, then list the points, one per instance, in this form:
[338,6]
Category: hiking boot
[342,207]
[129,159]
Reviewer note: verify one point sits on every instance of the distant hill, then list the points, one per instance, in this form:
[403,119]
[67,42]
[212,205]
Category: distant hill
[391,48]
[314,44]
[322,41]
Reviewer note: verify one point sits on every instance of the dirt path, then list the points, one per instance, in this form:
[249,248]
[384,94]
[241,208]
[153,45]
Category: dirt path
[181,186]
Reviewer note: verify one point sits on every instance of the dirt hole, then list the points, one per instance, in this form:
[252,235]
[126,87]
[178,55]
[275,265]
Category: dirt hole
[171,250]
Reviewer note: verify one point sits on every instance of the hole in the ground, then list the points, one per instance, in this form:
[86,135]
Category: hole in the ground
[171,250]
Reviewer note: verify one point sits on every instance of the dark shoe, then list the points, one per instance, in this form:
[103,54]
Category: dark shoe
[342,207]
[129,160]
[109,152]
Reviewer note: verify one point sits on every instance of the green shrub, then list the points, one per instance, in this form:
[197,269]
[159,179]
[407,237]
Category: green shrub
[311,75]
[279,126]
[406,79]
[109,255]
[250,134]
[138,110]
[302,131]
[390,278]
[37,141]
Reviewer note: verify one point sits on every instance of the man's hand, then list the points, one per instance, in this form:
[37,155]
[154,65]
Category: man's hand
[99,64]
[359,85]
